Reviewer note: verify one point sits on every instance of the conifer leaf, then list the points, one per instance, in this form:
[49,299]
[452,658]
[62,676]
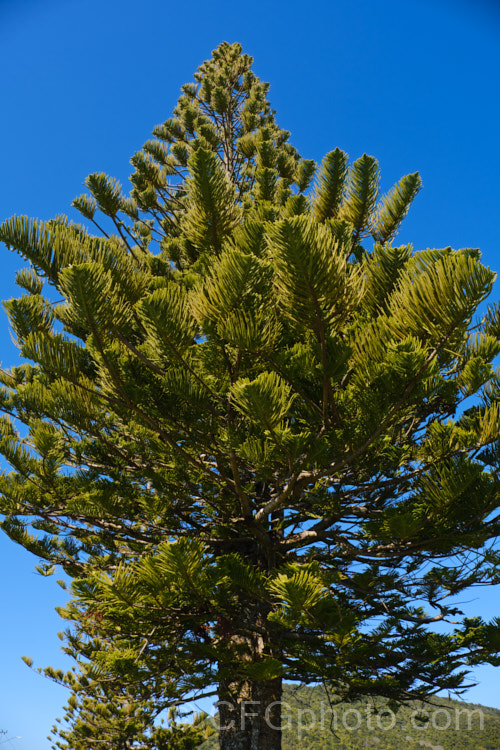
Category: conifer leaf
[330,185]
[250,331]
[230,283]
[33,240]
[299,591]
[106,192]
[93,300]
[29,280]
[27,314]
[312,277]
[266,179]
[491,320]
[394,206]
[267,669]
[211,208]
[248,236]
[441,298]
[361,195]
[58,355]
[167,319]
[267,400]
[382,270]
[304,173]
[86,205]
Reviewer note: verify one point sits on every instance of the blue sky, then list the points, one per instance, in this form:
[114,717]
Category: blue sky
[83,83]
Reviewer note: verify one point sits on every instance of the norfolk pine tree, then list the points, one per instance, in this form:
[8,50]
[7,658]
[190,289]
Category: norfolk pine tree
[260,438]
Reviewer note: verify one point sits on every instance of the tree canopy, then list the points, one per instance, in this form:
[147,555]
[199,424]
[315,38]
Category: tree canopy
[259,437]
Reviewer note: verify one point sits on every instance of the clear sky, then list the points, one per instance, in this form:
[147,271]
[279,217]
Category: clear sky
[413,83]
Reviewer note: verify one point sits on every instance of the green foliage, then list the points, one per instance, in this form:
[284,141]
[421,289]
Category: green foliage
[121,722]
[361,194]
[331,185]
[394,207]
[245,435]
[266,400]
[210,201]
[107,195]
[313,279]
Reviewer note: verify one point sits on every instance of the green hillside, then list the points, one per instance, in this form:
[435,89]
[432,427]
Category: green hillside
[310,723]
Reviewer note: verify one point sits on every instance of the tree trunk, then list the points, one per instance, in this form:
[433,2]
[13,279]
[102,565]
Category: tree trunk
[250,715]
[249,709]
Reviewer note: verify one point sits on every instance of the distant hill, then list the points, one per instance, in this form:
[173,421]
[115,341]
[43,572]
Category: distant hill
[310,723]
